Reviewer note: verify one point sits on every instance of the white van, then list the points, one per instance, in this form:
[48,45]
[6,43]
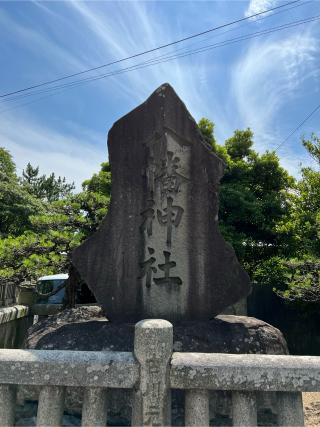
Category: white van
[47,284]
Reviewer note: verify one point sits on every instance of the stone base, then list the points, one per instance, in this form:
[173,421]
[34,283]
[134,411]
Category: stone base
[85,328]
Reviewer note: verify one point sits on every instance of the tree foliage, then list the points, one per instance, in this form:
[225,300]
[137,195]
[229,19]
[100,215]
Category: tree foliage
[253,198]
[38,237]
[46,188]
[302,223]
[270,218]
[16,204]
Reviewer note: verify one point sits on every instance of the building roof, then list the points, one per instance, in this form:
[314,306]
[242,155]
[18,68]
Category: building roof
[54,277]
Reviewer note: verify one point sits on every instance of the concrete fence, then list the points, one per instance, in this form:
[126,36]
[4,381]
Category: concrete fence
[152,370]
[14,323]
[7,294]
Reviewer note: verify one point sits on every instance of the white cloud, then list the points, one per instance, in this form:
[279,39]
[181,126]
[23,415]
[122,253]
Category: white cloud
[76,156]
[267,77]
[257,6]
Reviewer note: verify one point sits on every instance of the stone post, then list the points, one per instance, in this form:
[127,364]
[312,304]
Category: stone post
[50,406]
[244,409]
[290,409]
[94,409]
[7,405]
[197,408]
[153,343]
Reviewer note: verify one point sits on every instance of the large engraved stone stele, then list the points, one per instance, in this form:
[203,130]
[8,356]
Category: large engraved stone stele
[159,253]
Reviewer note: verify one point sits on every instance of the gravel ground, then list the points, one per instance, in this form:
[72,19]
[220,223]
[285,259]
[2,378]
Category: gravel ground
[311,403]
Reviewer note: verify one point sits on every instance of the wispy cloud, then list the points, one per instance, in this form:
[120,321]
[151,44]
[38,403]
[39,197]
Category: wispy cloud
[257,6]
[115,39]
[76,155]
[245,85]
[267,77]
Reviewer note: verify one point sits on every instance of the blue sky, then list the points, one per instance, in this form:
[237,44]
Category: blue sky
[269,83]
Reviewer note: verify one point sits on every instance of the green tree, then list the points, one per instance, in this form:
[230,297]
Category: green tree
[253,198]
[296,278]
[7,166]
[207,130]
[16,204]
[30,175]
[47,188]
[100,182]
[239,145]
[313,147]
[302,223]
[55,232]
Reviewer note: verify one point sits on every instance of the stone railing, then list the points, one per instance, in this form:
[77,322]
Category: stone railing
[14,323]
[152,371]
[7,294]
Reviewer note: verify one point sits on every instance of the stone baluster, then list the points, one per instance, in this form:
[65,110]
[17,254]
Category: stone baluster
[197,408]
[7,404]
[244,409]
[94,408]
[290,409]
[50,406]
[153,344]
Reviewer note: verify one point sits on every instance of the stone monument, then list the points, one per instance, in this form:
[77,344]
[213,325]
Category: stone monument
[159,253]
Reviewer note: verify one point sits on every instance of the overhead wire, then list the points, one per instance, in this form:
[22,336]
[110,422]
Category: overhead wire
[149,50]
[201,41]
[297,128]
[164,58]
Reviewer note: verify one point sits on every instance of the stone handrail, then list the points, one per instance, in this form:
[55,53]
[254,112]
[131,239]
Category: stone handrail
[245,372]
[68,368]
[152,370]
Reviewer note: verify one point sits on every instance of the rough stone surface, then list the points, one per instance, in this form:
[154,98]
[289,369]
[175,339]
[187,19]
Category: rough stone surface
[85,328]
[159,252]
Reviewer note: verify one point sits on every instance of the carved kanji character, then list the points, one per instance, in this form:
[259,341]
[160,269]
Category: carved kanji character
[166,267]
[170,179]
[148,268]
[171,217]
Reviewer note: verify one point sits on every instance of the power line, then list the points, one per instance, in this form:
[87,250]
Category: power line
[298,127]
[158,60]
[165,55]
[149,51]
